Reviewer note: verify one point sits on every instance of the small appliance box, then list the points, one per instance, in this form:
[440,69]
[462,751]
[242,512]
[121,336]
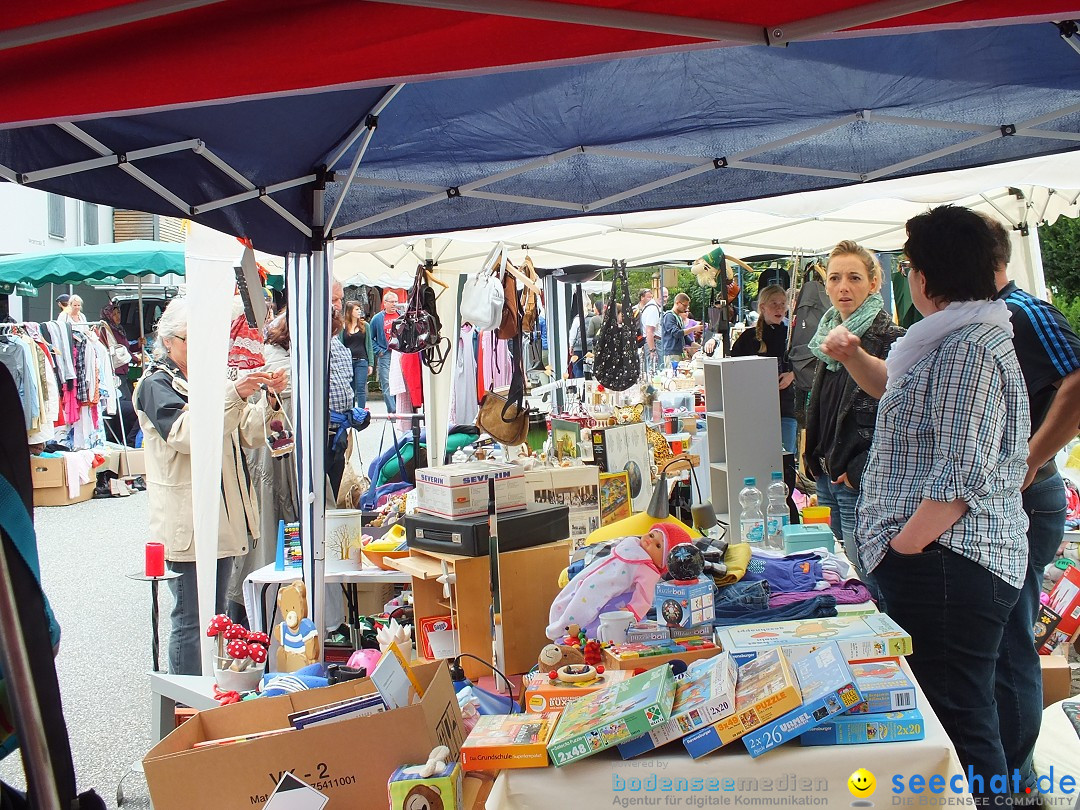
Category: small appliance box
[704,694]
[619,713]
[861,638]
[461,490]
[542,694]
[685,604]
[885,687]
[828,689]
[1064,602]
[350,761]
[500,741]
[855,729]
[470,537]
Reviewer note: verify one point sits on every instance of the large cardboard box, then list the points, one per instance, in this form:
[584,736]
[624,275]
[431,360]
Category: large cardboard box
[350,762]
[1056,678]
[133,463]
[49,476]
[46,473]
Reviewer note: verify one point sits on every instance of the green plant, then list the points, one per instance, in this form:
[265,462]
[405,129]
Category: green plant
[1070,308]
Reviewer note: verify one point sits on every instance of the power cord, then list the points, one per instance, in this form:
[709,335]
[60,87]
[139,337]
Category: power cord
[457,673]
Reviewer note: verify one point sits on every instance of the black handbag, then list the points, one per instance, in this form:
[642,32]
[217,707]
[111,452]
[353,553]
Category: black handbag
[616,363]
[418,330]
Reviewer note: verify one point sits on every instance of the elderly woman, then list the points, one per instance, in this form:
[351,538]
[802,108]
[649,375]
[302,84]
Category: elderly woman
[941,521]
[72,313]
[161,400]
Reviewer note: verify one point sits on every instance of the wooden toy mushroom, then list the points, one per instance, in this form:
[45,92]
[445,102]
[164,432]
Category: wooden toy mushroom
[238,651]
[257,654]
[218,625]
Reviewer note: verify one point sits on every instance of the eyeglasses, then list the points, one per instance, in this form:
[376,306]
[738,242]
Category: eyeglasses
[180,337]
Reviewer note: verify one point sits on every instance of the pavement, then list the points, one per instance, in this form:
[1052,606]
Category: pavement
[86,550]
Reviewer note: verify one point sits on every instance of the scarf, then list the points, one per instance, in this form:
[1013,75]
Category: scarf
[857,324]
[926,335]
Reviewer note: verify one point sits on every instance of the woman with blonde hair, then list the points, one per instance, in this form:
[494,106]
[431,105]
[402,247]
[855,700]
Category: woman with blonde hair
[840,415]
[768,338]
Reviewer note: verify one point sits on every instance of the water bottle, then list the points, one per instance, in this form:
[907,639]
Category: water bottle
[776,513]
[751,520]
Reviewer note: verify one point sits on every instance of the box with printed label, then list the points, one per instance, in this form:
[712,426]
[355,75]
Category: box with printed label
[855,729]
[861,638]
[544,694]
[461,490]
[1064,602]
[685,604]
[828,689]
[704,694]
[501,741]
[885,687]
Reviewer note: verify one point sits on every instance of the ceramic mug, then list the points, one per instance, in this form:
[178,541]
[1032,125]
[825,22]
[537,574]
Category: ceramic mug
[613,626]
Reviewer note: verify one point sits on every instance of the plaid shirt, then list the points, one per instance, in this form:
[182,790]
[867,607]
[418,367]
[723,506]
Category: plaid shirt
[954,427]
[340,392]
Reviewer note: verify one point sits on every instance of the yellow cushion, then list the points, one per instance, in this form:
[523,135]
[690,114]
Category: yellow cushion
[634,526]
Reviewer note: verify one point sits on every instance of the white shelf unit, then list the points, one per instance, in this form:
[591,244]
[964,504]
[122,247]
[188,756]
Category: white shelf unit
[742,414]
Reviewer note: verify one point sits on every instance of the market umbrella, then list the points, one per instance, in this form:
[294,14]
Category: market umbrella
[138,257]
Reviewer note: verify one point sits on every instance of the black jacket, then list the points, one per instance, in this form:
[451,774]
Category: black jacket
[846,451]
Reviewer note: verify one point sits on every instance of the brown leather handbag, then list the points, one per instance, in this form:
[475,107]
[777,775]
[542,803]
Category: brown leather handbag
[510,325]
[530,309]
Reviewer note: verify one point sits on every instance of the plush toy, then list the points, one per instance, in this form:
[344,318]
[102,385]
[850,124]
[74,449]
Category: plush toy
[554,656]
[624,579]
[296,633]
[706,268]
[435,785]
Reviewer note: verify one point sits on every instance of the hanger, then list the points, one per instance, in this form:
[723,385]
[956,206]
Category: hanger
[524,279]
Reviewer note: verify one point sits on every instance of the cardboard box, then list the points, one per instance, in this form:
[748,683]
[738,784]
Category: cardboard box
[685,604]
[350,762]
[49,476]
[502,741]
[544,695]
[46,473]
[856,729]
[861,638]
[1064,602]
[461,490]
[134,463]
[1056,678]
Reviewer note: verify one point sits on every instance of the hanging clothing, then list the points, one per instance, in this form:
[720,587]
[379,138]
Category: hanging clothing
[463,404]
[498,370]
[14,359]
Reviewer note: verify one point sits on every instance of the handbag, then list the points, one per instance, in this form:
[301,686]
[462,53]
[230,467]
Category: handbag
[510,325]
[354,481]
[417,331]
[482,299]
[507,418]
[616,361]
[529,310]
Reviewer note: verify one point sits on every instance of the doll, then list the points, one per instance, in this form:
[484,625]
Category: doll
[623,580]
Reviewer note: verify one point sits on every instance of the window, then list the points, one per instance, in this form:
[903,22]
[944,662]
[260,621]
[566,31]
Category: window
[90,224]
[57,216]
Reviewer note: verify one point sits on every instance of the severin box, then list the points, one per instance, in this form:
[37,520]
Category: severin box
[461,490]
[1065,602]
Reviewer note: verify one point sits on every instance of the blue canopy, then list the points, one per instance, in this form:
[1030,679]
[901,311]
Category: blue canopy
[660,131]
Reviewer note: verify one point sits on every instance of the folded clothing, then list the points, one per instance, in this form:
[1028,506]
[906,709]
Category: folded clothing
[852,592]
[799,572]
[816,607]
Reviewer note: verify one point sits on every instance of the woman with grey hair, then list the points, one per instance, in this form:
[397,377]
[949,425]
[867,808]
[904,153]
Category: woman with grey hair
[161,401]
[73,311]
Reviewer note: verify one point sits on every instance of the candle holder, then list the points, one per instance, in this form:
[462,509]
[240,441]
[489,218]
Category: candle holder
[155,642]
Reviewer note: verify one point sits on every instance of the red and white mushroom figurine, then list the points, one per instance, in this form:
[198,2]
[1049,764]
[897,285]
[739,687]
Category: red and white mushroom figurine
[218,625]
[259,638]
[257,654]
[238,651]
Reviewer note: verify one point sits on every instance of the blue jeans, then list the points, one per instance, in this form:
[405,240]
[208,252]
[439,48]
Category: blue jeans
[817,607]
[842,500]
[359,382]
[185,649]
[382,368]
[789,433]
[742,597]
[955,611]
[1019,679]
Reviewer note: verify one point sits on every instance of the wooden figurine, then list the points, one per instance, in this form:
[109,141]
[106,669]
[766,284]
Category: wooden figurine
[296,633]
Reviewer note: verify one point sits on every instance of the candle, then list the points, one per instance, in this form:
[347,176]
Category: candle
[155,560]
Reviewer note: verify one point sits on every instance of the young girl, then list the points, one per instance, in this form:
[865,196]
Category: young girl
[357,340]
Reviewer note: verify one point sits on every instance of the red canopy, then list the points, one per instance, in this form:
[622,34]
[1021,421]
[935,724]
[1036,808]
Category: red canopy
[62,61]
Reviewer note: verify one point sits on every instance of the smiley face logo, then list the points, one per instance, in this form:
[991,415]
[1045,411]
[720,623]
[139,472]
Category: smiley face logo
[862,784]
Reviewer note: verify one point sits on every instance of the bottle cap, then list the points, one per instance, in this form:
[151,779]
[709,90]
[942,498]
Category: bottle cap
[749,482]
[777,476]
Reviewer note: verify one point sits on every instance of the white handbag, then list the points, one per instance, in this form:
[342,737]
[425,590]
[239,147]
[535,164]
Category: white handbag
[482,298]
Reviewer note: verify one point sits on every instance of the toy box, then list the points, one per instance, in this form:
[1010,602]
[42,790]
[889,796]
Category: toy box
[408,789]
[804,536]
[461,490]
[884,686]
[1064,602]
[685,604]
[854,729]
[861,638]
[827,688]
[766,688]
[646,655]
[647,631]
[542,694]
[704,694]
[501,741]
[619,713]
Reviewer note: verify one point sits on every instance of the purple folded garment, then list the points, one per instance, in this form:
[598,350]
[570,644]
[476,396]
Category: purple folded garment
[852,592]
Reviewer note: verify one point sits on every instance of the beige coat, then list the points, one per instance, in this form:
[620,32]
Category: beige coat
[161,399]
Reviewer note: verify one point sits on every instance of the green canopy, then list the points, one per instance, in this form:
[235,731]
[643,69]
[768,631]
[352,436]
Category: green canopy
[74,265]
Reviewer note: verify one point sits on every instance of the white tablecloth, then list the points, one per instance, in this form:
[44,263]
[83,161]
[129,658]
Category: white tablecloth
[790,775]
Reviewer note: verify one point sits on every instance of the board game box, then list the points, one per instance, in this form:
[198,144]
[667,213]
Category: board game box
[854,729]
[542,694]
[884,686]
[827,688]
[619,713]
[861,638]
[704,694]
[766,688]
[500,741]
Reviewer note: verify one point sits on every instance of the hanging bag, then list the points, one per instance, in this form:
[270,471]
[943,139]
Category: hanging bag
[418,330]
[510,325]
[507,418]
[616,361]
[482,298]
[529,309]
[354,481]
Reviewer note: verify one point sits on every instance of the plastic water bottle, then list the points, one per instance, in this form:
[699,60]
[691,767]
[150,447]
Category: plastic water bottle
[751,520]
[777,515]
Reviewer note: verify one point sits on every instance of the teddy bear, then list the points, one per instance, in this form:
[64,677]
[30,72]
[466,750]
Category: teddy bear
[554,656]
[296,633]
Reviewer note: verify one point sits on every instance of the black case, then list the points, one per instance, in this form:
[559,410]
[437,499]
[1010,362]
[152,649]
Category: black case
[469,536]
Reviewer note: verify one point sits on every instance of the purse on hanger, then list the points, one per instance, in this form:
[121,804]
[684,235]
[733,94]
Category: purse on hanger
[616,362]
[482,298]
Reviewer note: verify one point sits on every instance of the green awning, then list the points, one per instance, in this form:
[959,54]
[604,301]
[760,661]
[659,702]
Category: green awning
[93,262]
[24,290]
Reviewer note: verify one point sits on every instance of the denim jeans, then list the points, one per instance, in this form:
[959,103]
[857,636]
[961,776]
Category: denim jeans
[742,597]
[842,499]
[185,648]
[789,433]
[382,368]
[818,607]
[1019,679]
[955,611]
[359,382]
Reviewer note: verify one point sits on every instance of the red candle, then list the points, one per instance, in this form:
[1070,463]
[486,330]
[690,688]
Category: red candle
[155,560]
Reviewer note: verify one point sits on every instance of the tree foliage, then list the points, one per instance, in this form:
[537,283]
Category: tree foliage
[1061,257]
